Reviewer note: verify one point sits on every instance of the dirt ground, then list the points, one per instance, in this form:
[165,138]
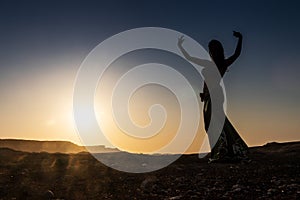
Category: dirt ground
[273,173]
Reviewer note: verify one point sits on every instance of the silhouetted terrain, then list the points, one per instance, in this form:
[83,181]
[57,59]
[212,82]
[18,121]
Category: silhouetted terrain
[272,174]
[50,146]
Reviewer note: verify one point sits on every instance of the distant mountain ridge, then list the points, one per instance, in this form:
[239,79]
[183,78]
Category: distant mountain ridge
[51,146]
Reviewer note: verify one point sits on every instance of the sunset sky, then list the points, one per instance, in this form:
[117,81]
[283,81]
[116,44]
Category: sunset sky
[43,44]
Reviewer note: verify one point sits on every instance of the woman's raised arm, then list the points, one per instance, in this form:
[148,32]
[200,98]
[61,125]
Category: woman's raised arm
[237,51]
[195,60]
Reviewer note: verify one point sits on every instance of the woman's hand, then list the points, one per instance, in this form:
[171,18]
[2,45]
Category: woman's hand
[180,41]
[237,34]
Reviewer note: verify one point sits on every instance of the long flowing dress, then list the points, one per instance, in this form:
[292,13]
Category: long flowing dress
[230,146]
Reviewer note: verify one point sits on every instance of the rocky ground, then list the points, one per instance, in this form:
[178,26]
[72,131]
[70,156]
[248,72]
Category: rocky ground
[272,174]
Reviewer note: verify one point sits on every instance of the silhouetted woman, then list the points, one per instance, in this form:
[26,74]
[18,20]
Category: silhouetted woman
[229,146]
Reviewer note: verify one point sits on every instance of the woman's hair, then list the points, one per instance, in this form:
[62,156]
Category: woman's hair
[216,51]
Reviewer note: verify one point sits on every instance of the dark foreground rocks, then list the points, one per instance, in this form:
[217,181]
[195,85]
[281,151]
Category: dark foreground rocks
[273,173]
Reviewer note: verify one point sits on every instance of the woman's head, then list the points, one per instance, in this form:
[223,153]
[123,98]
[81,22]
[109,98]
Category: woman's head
[216,51]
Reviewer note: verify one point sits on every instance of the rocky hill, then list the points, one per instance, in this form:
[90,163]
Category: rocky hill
[273,173]
[50,146]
